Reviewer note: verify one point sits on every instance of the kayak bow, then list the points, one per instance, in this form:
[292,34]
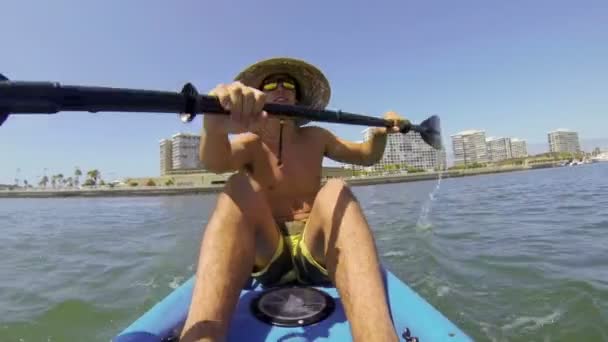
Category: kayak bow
[296,314]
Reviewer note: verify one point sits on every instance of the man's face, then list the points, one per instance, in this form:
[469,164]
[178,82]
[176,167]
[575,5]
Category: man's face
[280,89]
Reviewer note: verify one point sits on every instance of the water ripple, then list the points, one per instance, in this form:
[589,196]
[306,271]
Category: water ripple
[507,257]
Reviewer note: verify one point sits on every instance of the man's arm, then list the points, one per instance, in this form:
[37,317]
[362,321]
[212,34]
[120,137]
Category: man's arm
[218,154]
[366,154]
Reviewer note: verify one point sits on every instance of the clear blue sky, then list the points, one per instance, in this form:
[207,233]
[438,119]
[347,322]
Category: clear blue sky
[513,68]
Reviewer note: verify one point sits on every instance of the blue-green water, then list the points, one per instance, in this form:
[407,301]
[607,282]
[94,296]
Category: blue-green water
[510,257]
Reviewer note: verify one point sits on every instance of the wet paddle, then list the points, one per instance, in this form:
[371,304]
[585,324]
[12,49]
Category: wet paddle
[26,97]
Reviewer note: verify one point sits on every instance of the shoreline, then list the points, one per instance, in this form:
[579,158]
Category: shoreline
[176,191]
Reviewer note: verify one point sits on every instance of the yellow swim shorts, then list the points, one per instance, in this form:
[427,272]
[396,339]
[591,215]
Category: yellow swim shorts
[292,262]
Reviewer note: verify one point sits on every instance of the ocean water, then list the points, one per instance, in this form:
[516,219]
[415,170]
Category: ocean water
[520,256]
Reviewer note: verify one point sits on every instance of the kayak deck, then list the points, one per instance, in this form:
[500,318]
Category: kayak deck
[412,316]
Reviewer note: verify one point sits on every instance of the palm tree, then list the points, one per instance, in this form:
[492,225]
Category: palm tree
[69,181]
[60,179]
[93,175]
[44,181]
[25,184]
[77,173]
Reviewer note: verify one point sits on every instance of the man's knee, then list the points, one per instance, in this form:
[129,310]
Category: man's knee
[335,189]
[242,191]
[335,195]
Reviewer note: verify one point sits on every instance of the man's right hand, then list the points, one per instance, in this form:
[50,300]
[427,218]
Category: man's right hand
[245,105]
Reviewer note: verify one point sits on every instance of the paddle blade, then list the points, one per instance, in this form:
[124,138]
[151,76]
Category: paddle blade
[431,131]
[3,116]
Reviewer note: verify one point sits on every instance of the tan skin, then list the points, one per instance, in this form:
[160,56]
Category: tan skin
[292,186]
[242,231]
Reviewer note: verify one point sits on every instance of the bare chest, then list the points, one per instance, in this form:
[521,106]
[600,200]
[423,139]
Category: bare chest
[295,170]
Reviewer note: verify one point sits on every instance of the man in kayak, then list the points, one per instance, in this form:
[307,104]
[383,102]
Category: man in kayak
[274,221]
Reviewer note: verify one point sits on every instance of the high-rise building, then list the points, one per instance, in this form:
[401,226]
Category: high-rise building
[408,150]
[498,149]
[469,147]
[185,151]
[166,156]
[563,140]
[519,148]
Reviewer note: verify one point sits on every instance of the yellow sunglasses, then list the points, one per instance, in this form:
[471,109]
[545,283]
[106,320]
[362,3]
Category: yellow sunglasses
[274,85]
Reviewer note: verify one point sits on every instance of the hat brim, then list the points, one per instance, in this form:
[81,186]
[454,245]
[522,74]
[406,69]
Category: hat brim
[313,86]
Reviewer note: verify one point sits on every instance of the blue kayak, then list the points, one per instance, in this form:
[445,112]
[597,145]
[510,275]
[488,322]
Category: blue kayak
[294,313]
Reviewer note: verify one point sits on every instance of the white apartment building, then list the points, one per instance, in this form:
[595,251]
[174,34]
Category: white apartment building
[498,149]
[563,140]
[408,149]
[185,151]
[166,156]
[469,147]
[519,148]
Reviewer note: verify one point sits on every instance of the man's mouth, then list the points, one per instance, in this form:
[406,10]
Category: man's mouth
[280,99]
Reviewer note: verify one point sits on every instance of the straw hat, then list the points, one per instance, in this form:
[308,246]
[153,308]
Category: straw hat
[313,87]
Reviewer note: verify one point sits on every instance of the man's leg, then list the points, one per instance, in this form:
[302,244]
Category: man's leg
[339,236]
[241,230]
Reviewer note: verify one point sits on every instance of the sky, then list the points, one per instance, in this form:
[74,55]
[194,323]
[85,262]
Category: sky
[511,68]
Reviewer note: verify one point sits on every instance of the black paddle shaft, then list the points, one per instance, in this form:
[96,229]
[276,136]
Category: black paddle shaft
[24,97]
